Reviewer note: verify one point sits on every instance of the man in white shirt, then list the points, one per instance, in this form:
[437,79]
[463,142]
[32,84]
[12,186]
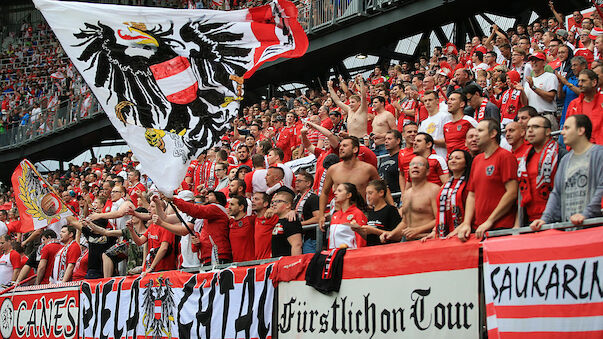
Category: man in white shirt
[541,89]
[478,61]
[434,124]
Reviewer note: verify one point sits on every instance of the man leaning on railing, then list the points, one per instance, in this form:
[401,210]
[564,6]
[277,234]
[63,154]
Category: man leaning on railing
[578,187]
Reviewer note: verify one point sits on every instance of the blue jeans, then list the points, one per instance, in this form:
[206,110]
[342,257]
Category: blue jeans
[309,246]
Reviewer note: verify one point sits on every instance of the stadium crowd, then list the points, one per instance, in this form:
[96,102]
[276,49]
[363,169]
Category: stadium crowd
[413,152]
[37,83]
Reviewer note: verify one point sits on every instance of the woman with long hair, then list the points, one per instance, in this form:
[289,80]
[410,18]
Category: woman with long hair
[381,215]
[452,196]
[349,214]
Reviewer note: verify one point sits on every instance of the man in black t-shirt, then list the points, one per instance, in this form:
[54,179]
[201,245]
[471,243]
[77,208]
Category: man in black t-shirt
[306,208]
[97,245]
[388,167]
[286,235]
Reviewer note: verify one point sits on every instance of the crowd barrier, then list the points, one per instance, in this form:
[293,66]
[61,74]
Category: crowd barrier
[539,285]
[55,119]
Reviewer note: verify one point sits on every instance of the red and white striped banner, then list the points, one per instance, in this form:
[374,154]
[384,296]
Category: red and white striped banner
[545,285]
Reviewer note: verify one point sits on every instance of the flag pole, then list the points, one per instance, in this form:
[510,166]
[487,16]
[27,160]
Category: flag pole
[8,289]
[180,218]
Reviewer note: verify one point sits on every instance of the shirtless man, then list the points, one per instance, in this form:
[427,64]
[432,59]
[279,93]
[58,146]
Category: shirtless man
[383,122]
[419,207]
[357,111]
[350,169]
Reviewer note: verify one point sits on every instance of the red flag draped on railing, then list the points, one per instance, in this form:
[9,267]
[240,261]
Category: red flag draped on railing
[39,205]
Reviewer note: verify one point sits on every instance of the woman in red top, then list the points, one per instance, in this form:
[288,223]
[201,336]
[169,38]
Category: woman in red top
[452,196]
[347,217]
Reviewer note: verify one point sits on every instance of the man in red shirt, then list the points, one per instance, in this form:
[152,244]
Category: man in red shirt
[241,230]
[288,136]
[438,169]
[161,254]
[136,187]
[51,246]
[492,185]
[243,156]
[406,154]
[456,130]
[537,169]
[264,224]
[589,103]
[515,133]
[215,225]
[65,259]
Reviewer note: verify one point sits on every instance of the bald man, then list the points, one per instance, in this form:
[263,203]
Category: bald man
[419,207]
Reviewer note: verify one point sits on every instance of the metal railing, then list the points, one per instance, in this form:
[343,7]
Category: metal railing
[54,119]
[593,222]
[319,14]
[565,225]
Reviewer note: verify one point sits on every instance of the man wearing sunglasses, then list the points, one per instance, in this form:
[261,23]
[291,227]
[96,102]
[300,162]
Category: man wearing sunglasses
[286,235]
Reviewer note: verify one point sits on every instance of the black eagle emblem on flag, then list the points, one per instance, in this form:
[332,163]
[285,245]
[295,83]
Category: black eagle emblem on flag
[171,80]
[161,90]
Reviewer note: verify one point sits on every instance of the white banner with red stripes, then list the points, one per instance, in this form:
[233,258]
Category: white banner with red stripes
[413,290]
[545,285]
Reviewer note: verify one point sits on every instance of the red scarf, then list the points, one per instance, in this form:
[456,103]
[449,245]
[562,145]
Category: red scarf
[549,157]
[510,104]
[481,112]
[450,199]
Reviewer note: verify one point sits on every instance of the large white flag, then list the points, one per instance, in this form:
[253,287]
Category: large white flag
[170,80]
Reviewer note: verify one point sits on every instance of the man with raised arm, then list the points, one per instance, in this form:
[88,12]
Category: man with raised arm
[357,111]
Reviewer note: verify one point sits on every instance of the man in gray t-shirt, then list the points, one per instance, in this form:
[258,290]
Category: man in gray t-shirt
[578,186]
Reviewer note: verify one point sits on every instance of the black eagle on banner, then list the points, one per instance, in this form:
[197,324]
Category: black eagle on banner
[158,308]
[162,90]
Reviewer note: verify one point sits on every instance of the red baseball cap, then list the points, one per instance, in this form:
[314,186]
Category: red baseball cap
[538,55]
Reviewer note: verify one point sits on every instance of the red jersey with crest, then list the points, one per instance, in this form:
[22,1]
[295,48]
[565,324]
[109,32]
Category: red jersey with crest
[487,182]
[263,236]
[456,131]
[242,238]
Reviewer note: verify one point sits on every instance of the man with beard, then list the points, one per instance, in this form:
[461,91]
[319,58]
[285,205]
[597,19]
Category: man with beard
[537,169]
[237,188]
[243,156]
[241,230]
[350,169]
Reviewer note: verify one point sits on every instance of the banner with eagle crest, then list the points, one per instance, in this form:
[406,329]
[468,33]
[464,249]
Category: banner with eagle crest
[171,80]
[39,205]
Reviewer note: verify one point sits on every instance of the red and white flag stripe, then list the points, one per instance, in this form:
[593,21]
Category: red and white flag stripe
[545,285]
